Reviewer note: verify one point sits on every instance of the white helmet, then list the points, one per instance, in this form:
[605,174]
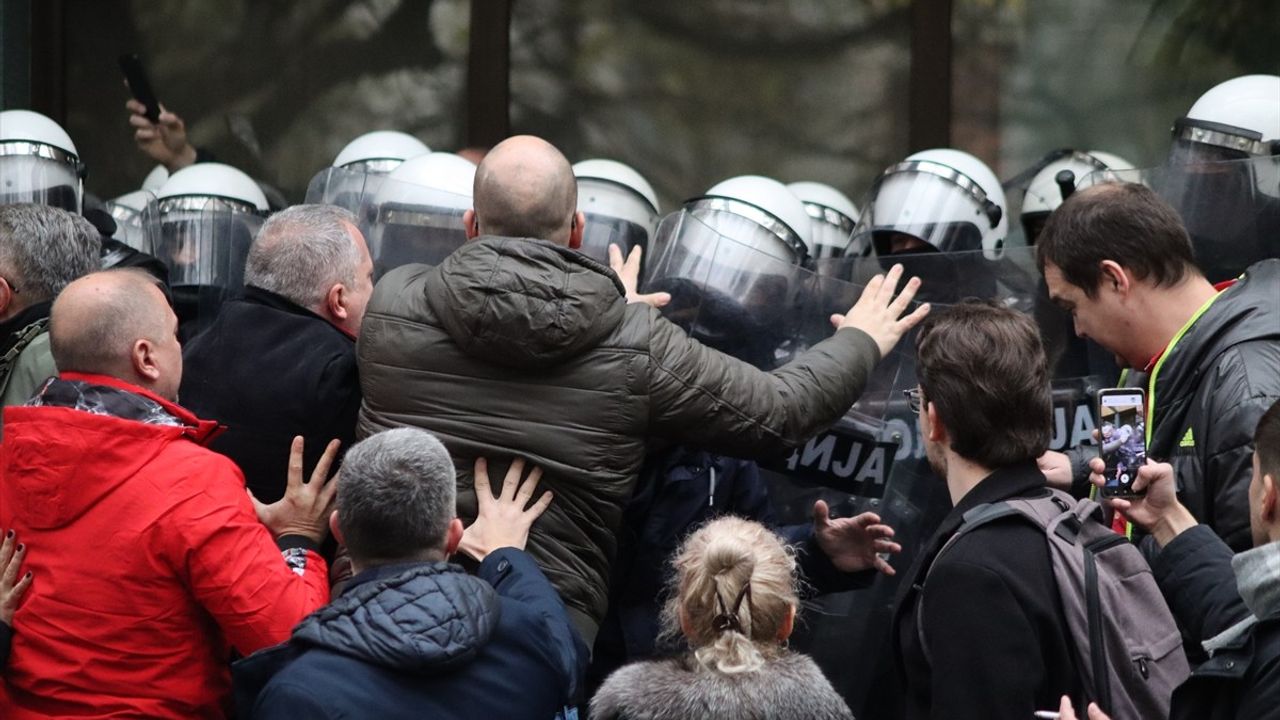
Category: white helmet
[620,206]
[200,226]
[833,217]
[215,180]
[156,178]
[617,173]
[945,198]
[1238,118]
[733,261]
[380,151]
[38,162]
[441,171]
[768,204]
[1064,172]
[416,213]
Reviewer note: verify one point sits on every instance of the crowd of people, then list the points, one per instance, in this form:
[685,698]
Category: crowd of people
[251,451]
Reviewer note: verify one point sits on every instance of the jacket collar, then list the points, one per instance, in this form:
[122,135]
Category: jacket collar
[9,329]
[1015,480]
[258,296]
[201,431]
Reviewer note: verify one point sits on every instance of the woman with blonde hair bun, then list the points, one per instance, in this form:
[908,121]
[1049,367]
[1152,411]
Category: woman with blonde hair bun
[734,601]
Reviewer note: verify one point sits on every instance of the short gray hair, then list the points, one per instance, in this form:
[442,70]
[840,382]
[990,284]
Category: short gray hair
[44,248]
[302,251]
[396,496]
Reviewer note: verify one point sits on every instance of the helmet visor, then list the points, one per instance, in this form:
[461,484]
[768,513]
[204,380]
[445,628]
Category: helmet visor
[39,180]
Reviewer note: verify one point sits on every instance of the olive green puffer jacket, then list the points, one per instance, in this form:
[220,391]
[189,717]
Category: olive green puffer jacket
[518,347]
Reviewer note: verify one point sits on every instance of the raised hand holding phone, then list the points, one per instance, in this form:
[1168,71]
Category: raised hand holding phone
[1122,444]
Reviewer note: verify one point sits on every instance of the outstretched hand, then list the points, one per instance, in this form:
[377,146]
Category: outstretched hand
[164,141]
[503,521]
[304,510]
[879,314]
[855,543]
[628,272]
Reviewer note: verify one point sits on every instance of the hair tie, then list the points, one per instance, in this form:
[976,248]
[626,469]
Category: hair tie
[728,619]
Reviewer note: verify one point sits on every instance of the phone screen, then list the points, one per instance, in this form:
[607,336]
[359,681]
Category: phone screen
[1123,438]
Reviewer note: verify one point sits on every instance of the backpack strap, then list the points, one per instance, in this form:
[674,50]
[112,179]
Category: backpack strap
[975,518]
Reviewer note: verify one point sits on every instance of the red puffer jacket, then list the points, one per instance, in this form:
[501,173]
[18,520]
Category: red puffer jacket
[149,562]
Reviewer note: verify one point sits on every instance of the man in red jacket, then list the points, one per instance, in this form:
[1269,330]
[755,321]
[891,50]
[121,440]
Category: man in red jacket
[150,563]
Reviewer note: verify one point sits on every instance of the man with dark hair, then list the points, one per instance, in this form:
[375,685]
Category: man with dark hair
[280,360]
[1227,602]
[414,636]
[518,344]
[42,248]
[998,643]
[150,561]
[1117,258]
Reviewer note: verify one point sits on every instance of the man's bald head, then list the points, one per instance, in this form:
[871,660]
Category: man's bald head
[525,187]
[98,322]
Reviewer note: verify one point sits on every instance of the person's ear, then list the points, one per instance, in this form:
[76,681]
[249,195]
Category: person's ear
[471,224]
[453,537]
[1115,278]
[788,624]
[143,357]
[335,303]
[335,528]
[934,430]
[686,625]
[576,227]
[7,296]
[1270,497]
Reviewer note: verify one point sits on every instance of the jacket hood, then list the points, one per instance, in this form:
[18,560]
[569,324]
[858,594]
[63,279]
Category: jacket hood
[1245,312]
[417,618]
[57,461]
[523,302]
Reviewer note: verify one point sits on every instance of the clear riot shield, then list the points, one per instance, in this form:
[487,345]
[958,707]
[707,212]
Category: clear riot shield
[349,188]
[741,298]
[40,174]
[407,223]
[874,459]
[128,212]
[204,242]
[1231,208]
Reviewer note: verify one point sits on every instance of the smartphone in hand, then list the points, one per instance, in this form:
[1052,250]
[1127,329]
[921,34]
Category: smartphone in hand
[140,85]
[1122,438]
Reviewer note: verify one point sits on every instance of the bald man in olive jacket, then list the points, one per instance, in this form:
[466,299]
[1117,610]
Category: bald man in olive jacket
[518,345]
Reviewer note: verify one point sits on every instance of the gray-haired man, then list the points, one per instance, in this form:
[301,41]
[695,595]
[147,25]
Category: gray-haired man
[414,636]
[42,249]
[280,361]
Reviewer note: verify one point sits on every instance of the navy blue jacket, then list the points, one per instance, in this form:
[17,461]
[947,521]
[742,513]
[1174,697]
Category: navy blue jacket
[424,640]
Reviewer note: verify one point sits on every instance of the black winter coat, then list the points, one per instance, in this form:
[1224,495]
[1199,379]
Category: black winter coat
[997,634]
[424,641]
[1242,680]
[269,370]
